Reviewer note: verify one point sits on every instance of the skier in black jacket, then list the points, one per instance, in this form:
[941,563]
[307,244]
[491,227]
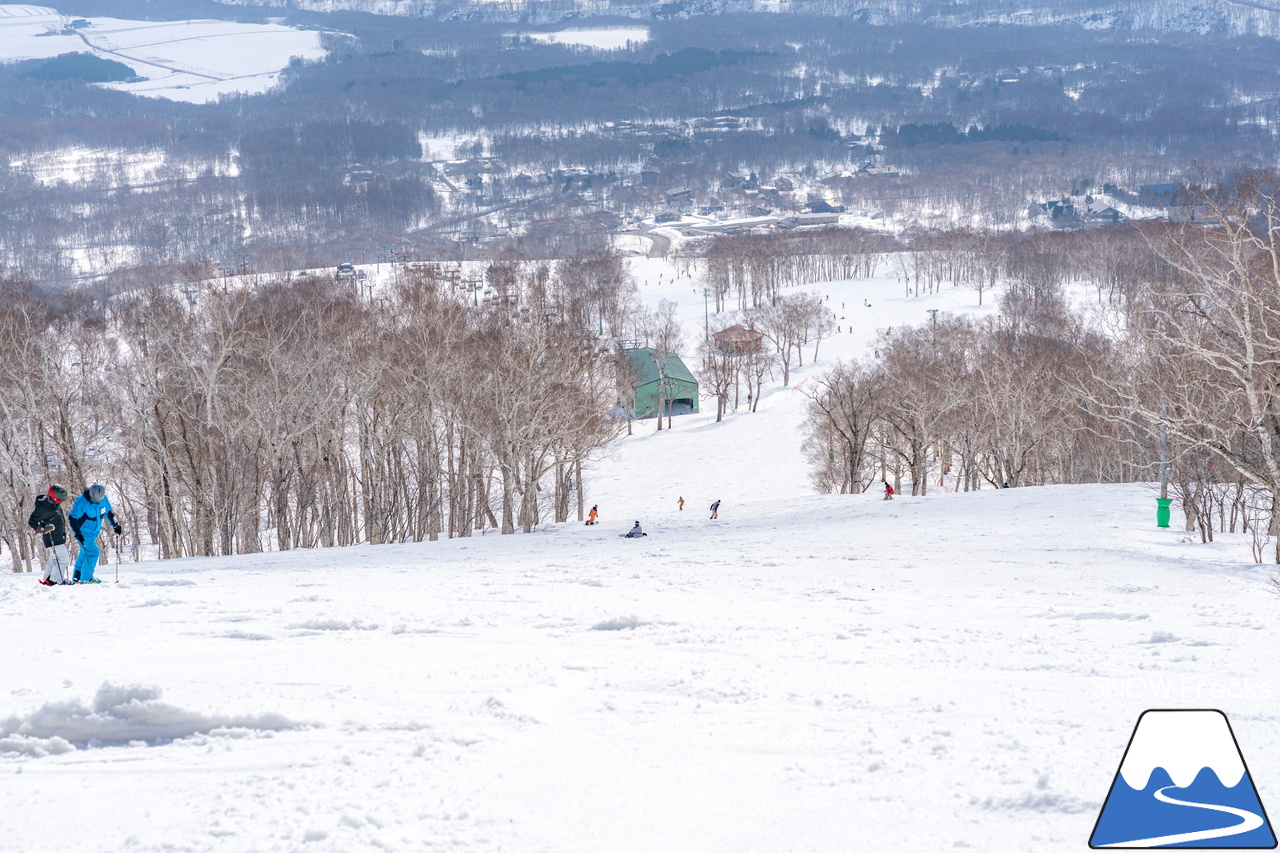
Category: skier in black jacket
[47,519]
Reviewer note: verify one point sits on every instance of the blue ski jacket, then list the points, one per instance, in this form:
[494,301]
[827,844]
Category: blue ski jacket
[86,516]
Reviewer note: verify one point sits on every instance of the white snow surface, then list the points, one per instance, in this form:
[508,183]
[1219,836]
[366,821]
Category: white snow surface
[1183,743]
[194,61]
[597,38]
[806,673]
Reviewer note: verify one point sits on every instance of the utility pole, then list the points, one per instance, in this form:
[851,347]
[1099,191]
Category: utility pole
[1164,457]
[1163,502]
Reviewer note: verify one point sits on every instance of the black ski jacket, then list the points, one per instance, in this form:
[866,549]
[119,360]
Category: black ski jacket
[48,512]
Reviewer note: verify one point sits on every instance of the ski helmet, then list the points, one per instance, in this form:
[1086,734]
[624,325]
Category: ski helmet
[96,493]
[58,493]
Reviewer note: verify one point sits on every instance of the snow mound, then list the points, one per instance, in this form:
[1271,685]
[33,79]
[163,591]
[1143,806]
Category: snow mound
[333,625]
[121,714]
[1043,801]
[1096,614]
[620,623]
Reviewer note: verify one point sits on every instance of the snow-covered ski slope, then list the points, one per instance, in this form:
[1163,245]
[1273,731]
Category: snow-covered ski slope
[807,673]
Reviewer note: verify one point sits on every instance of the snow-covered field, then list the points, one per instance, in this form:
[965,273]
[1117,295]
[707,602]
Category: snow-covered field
[806,673]
[597,38]
[113,167]
[193,61]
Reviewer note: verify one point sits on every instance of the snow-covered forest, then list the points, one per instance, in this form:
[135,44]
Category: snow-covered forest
[254,413]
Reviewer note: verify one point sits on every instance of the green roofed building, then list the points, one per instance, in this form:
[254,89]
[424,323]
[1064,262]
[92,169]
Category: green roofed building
[680,394]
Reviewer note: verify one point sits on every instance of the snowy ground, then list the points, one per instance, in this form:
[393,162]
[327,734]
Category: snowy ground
[596,38]
[807,673]
[193,61]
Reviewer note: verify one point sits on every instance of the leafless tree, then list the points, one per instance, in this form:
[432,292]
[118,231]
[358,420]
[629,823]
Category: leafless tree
[663,336]
[844,408]
[1202,349]
[719,374]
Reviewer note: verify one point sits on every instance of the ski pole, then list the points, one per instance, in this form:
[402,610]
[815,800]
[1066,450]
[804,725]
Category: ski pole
[117,559]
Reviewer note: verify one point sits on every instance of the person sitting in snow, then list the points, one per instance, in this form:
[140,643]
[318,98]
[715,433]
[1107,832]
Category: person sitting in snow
[48,520]
[591,516]
[888,491]
[636,532]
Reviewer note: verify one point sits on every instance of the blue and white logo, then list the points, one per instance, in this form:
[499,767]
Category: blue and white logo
[1183,783]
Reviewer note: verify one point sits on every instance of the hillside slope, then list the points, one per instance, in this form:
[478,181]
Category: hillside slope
[805,673]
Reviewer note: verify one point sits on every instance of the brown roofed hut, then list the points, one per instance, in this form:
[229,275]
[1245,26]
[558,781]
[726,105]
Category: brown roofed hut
[738,340]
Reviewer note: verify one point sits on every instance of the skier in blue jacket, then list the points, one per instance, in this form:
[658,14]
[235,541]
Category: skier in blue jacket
[86,522]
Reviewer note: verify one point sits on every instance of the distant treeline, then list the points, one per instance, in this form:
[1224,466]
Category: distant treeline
[322,144]
[942,133]
[664,66]
[83,66]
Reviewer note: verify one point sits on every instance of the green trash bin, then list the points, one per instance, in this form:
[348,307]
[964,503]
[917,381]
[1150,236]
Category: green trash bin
[1162,511]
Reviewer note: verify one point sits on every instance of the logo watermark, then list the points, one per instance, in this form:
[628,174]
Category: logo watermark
[1184,689]
[1183,783]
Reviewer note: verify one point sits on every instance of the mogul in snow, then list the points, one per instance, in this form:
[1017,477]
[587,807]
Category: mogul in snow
[87,513]
[48,520]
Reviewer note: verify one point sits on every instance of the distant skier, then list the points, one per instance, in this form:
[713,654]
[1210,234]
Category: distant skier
[86,522]
[715,509]
[591,516]
[635,533]
[681,502]
[888,491]
[48,520]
